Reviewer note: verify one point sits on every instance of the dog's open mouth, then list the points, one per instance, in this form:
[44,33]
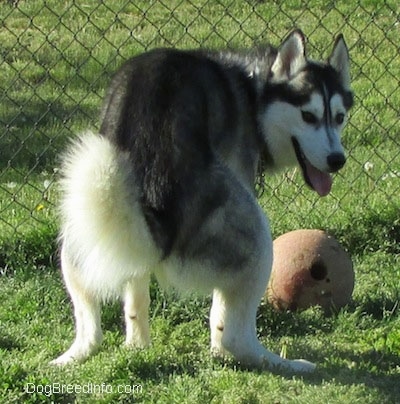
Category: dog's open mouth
[316,179]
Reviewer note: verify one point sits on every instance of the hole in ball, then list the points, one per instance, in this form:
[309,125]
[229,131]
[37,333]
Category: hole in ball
[318,270]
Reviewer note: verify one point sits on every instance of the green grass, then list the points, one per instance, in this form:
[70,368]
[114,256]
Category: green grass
[56,59]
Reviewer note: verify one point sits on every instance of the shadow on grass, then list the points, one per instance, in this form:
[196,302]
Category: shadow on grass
[36,250]
[35,133]
[373,368]
[8,343]
[278,324]
[372,231]
[369,369]
[379,307]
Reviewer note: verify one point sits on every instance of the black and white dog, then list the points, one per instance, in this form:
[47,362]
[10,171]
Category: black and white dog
[167,186]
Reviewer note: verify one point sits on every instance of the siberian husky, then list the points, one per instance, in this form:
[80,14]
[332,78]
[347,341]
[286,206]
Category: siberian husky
[167,185]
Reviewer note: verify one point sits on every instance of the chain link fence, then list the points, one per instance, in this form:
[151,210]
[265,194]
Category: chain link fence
[56,58]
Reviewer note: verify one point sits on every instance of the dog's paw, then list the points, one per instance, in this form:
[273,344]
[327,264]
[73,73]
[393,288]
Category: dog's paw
[276,363]
[62,360]
[218,352]
[75,354]
[137,343]
[301,366]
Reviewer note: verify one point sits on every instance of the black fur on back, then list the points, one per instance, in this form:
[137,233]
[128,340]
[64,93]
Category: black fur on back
[180,115]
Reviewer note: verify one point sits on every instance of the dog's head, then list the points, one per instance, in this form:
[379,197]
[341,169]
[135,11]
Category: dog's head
[304,109]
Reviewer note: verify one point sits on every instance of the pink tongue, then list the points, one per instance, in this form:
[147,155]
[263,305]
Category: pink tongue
[320,181]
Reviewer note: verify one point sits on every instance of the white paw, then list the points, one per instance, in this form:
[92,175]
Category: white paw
[62,360]
[301,366]
[273,361]
[219,352]
[137,344]
[76,353]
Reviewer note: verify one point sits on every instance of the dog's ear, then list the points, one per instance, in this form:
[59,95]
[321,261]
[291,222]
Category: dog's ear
[340,61]
[290,58]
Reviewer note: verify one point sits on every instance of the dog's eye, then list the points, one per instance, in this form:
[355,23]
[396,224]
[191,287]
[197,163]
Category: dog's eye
[309,117]
[339,118]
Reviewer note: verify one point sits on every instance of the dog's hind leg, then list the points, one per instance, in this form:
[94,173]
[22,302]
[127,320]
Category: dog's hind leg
[136,307]
[241,284]
[217,315]
[87,311]
[233,329]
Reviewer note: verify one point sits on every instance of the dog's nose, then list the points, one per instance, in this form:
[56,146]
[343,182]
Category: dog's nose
[336,161]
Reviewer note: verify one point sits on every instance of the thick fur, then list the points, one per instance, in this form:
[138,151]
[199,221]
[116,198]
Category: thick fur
[167,186]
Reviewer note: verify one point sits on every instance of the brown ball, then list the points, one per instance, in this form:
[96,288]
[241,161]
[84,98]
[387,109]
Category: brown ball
[310,268]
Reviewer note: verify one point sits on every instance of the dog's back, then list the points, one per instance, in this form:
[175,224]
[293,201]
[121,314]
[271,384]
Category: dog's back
[179,114]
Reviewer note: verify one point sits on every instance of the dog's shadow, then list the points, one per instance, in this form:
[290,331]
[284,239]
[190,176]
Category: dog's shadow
[335,364]
[365,369]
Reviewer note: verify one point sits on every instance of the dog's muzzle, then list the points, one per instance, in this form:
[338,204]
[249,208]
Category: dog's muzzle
[318,180]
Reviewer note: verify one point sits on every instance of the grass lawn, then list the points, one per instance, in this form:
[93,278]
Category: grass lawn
[56,59]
